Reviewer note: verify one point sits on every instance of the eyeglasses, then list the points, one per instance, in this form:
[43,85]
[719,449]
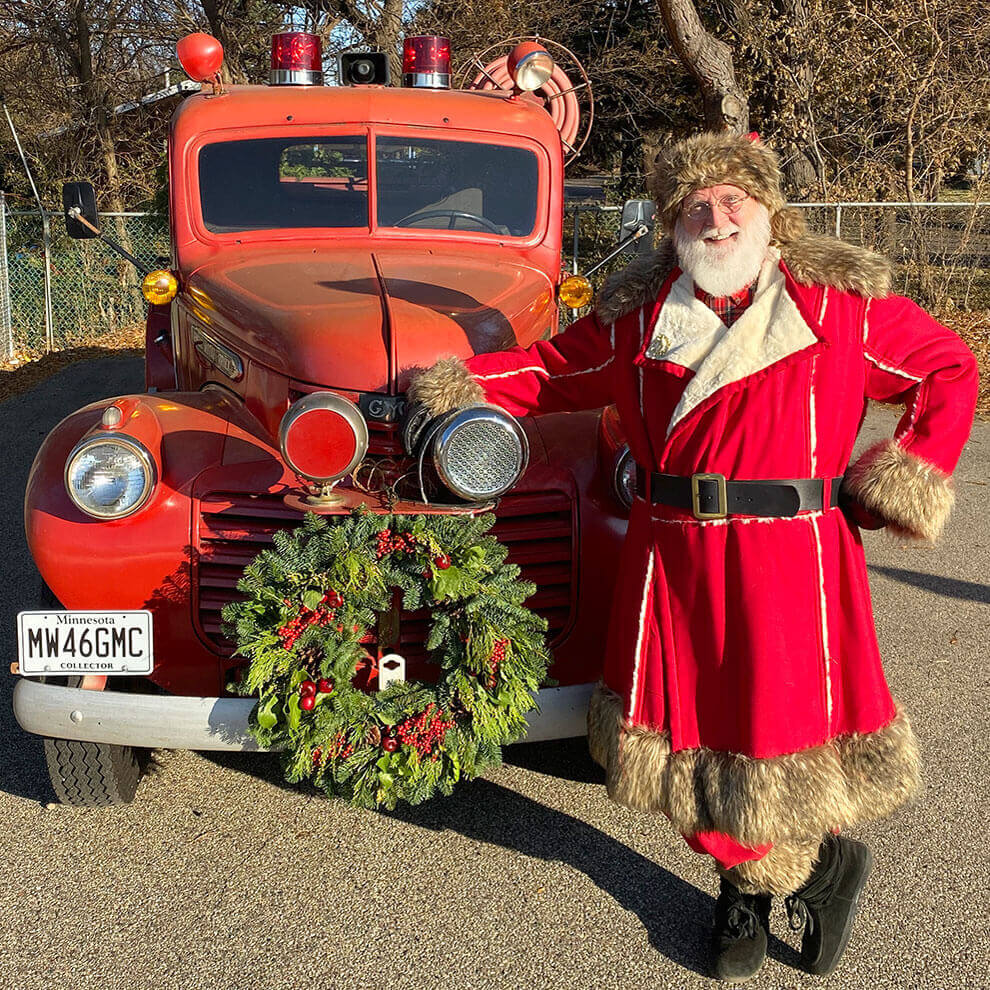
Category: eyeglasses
[725,204]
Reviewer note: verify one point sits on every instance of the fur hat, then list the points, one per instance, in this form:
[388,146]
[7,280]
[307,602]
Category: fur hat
[714,159]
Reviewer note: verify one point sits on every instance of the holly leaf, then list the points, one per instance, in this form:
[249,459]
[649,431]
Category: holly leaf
[311,599]
[267,718]
[446,584]
[292,711]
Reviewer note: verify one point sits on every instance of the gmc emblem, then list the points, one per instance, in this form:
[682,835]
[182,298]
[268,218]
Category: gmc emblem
[382,408]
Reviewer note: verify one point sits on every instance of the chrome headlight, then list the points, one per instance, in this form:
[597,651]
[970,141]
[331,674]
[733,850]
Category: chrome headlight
[479,452]
[109,476]
[624,478]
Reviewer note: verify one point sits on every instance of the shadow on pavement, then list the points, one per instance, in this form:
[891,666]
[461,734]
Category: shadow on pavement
[676,915]
[968,591]
[567,759]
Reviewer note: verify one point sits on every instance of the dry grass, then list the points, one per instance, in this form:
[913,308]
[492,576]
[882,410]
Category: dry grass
[974,327]
[28,368]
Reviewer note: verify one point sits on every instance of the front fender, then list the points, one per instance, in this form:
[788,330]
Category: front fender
[143,560]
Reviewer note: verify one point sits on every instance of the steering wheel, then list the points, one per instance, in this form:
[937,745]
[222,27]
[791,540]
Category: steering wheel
[412,218]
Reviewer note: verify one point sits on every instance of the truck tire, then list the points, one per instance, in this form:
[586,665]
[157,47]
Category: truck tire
[92,775]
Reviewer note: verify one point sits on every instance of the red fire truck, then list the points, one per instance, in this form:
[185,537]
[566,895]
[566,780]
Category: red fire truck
[326,241]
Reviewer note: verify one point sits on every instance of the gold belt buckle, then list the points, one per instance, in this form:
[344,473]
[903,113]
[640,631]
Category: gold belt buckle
[719,480]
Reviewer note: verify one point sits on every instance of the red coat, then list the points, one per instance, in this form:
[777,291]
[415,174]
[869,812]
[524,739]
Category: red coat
[750,635]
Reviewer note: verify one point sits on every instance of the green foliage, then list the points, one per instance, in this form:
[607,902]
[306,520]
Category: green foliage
[293,628]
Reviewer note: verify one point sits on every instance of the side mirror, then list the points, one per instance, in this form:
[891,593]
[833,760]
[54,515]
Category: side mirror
[79,195]
[636,214]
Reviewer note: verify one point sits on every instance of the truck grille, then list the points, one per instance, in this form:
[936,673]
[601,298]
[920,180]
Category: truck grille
[537,527]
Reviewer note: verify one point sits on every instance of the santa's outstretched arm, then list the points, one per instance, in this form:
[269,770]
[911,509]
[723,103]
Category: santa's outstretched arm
[569,372]
[912,359]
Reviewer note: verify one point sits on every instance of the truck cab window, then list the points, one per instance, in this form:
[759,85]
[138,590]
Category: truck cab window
[456,185]
[284,182]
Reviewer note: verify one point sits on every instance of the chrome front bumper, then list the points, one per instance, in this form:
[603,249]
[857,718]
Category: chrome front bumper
[172,722]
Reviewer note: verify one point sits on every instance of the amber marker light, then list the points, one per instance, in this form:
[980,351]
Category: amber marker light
[575,291]
[159,287]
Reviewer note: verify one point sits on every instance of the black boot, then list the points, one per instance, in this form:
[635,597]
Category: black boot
[826,904]
[739,939]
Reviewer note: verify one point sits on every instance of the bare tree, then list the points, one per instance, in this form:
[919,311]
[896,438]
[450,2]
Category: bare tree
[709,60]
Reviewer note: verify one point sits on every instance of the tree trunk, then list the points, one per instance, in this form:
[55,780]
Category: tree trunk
[232,70]
[386,36]
[800,171]
[710,62]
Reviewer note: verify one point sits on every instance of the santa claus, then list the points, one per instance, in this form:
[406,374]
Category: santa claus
[743,695]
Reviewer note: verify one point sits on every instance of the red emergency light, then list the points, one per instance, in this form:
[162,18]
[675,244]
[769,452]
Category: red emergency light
[297,59]
[426,61]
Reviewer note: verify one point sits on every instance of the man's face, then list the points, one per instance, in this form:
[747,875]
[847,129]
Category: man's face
[718,214]
[722,235]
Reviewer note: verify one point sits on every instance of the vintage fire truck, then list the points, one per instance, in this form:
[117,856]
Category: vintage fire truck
[326,241]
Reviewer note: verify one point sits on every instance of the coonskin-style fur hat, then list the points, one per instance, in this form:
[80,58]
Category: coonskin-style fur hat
[714,159]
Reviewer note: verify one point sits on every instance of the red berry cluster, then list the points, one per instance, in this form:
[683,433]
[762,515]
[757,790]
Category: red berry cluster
[308,691]
[389,542]
[425,730]
[338,749]
[495,661]
[322,615]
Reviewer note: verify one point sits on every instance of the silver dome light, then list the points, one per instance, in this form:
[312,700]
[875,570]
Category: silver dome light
[479,452]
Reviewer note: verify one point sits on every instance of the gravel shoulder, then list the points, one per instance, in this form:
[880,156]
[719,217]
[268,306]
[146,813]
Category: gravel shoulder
[220,875]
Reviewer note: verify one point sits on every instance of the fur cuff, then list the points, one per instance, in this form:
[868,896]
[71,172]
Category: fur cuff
[914,498]
[786,868]
[853,779]
[447,385]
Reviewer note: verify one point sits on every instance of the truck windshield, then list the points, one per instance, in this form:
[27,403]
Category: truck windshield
[284,182]
[422,184]
[455,185]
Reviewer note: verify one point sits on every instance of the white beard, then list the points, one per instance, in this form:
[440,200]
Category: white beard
[726,267]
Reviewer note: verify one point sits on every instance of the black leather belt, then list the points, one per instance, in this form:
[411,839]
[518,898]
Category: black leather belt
[713,496]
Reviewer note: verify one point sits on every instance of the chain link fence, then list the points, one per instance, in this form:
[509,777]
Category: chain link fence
[93,291]
[941,253]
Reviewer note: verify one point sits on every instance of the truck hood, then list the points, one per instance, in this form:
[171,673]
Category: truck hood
[359,320]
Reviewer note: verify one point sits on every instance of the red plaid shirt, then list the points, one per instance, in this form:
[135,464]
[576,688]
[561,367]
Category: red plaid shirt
[728,308]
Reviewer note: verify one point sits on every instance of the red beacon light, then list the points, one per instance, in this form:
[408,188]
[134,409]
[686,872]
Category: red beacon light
[200,56]
[530,66]
[426,61]
[297,59]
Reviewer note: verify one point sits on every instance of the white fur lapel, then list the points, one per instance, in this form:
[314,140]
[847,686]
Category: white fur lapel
[688,333]
[685,329]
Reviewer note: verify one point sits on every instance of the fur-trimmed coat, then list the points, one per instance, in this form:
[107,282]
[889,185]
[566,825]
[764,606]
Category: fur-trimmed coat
[743,693]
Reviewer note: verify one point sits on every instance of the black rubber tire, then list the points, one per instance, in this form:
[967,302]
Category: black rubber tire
[92,775]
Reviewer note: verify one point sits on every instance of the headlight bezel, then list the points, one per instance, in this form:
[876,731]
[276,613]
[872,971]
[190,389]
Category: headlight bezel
[440,444]
[622,495]
[135,447]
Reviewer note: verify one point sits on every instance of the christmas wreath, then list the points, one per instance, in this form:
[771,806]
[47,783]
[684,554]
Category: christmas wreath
[311,600]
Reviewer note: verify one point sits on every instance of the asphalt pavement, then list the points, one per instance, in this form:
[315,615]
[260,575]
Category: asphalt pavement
[221,876]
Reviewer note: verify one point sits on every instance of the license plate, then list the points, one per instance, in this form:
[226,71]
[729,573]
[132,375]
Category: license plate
[84,642]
